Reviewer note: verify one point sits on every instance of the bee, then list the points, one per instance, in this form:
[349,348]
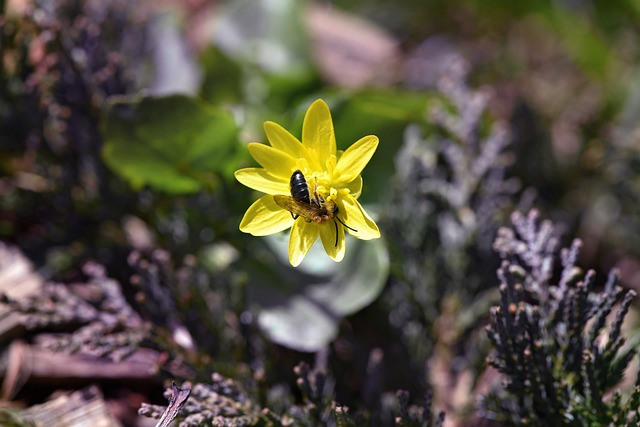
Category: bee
[299,187]
[311,206]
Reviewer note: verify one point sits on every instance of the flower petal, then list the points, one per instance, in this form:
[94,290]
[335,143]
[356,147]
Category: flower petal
[317,131]
[276,162]
[264,217]
[355,158]
[260,180]
[282,140]
[355,187]
[352,214]
[334,248]
[303,234]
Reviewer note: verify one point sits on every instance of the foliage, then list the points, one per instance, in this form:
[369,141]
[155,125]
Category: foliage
[62,62]
[551,338]
[169,143]
[221,403]
[450,191]
[225,403]
[120,191]
[302,309]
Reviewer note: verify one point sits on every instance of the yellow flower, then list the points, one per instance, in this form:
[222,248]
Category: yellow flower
[333,179]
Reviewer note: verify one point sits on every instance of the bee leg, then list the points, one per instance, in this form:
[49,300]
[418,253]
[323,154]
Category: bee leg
[317,200]
[352,229]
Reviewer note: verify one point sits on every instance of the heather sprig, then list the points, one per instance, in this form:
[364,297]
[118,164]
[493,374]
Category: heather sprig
[554,343]
[450,191]
[221,403]
[417,415]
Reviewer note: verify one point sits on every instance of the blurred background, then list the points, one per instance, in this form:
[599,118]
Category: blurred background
[121,124]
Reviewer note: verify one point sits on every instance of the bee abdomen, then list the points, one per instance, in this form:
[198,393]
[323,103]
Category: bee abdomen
[299,187]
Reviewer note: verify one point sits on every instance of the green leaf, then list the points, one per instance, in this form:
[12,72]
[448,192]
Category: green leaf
[222,77]
[301,308]
[174,144]
[267,34]
[584,43]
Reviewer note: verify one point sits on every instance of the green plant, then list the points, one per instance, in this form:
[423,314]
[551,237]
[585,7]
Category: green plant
[552,340]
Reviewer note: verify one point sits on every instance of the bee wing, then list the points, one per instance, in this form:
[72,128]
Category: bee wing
[296,207]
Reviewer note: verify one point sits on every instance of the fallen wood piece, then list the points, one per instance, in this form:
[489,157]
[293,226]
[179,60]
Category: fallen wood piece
[84,407]
[34,366]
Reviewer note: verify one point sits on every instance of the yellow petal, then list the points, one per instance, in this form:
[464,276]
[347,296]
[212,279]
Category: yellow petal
[276,162]
[317,131]
[334,248]
[303,234]
[282,140]
[355,187]
[351,213]
[264,217]
[354,159]
[260,180]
